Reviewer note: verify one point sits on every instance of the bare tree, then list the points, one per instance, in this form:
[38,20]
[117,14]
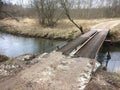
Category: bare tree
[46,10]
[5,12]
[66,6]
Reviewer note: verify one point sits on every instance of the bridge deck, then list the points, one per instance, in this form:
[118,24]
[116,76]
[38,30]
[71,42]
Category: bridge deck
[91,49]
[73,44]
[89,44]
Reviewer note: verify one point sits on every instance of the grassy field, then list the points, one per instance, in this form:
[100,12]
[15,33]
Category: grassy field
[63,30]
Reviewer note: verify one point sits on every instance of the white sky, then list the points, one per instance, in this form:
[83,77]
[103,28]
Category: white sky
[25,2]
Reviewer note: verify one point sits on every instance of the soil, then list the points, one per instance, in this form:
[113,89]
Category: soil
[50,73]
[102,80]
[3,58]
[106,25]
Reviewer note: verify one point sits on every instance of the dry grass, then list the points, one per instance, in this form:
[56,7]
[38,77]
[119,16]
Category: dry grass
[64,29]
[104,81]
[115,34]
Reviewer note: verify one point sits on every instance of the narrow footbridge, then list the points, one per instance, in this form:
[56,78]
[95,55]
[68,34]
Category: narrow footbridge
[86,45]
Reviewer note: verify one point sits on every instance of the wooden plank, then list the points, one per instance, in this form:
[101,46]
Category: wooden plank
[91,49]
[80,46]
[73,44]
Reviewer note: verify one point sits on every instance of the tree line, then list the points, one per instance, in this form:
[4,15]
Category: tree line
[79,9]
[49,12]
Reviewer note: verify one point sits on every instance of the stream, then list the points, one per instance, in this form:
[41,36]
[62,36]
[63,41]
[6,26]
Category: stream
[109,56]
[13,46]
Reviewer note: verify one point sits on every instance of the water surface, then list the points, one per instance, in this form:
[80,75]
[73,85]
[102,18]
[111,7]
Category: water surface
[13,46]
[109,56]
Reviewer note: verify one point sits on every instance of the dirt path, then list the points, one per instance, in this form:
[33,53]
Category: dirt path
[54,72]
[106,25]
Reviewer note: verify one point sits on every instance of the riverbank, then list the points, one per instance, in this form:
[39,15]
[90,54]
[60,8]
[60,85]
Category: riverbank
[64,30]
[103,80]
[10,67]
[3,58]
[115,34]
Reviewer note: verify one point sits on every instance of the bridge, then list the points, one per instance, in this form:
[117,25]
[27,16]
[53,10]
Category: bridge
[68,68]
[86,45]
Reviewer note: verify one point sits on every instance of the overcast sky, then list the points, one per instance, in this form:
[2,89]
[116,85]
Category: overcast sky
[25,2]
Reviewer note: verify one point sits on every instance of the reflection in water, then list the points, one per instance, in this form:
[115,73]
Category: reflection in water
[109,57]
[14,46]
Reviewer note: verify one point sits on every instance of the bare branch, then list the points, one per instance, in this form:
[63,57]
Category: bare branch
[8,14]
[46,10]
[66,8]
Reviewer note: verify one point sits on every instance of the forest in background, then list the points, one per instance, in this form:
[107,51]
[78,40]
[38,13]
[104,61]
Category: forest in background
[79,9]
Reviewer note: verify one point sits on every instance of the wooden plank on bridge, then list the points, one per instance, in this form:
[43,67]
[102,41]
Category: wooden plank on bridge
[90,50]
[73,44]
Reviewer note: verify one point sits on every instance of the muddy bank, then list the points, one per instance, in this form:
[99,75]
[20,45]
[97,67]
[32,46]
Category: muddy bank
[6,30]
[103,80]
[3,58]
[10,67]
